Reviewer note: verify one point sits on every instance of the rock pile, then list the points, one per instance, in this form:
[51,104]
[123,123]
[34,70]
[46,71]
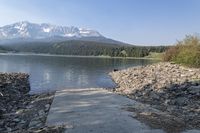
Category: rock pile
[20,111]
[12,88]
[168,87]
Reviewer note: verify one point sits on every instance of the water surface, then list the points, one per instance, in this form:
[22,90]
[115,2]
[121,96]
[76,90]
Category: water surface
[58,72]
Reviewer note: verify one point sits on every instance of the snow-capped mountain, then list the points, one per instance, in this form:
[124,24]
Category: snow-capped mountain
[27,30]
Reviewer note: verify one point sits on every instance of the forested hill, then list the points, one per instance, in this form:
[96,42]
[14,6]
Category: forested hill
[86,48]
[4,50]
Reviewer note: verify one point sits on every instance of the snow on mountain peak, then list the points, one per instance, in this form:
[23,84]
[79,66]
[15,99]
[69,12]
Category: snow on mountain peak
[46,29]
[25,29]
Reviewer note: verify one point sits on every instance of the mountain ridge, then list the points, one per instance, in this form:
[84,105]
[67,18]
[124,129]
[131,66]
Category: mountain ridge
[26,31]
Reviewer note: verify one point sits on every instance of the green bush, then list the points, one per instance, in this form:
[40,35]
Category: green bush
[186,52]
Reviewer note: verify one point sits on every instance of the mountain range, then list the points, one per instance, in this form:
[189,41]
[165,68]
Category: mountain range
[26,31]
[62,40]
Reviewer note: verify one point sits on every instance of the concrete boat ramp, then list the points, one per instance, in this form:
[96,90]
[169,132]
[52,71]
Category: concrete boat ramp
[94,110]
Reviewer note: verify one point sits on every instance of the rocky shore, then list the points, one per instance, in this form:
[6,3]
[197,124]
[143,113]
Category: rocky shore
[172,89]
[20,111]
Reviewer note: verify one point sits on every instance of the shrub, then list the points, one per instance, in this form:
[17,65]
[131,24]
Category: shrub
[186,52]
[170,53]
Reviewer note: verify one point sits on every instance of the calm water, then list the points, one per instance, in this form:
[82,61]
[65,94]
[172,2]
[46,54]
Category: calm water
[55,73]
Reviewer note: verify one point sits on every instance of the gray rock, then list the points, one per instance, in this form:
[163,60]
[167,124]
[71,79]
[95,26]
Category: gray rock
[154,95]
[47,106]
[41,113]
[22,122]
[181,101]
[18,109]
[34,123]
[9,129]
[194,89]
[16,120]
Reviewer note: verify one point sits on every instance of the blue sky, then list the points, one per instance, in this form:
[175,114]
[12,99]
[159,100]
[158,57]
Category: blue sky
[142,22]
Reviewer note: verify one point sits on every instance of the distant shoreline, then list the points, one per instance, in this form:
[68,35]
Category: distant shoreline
[78,56]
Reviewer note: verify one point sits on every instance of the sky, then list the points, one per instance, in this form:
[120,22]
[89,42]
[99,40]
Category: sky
[139,22]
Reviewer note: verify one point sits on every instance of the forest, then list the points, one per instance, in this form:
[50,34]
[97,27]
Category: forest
[86,48]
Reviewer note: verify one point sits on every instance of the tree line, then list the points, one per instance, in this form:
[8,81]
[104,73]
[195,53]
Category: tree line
[86,48]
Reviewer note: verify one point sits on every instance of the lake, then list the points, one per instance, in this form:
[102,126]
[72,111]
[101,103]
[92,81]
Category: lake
[49,73]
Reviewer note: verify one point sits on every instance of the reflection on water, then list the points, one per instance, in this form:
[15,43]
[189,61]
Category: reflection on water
[54,73]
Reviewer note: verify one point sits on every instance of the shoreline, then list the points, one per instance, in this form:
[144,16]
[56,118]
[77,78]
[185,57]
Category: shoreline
[21,111]
[172,106]
[173,90]
[76,56]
